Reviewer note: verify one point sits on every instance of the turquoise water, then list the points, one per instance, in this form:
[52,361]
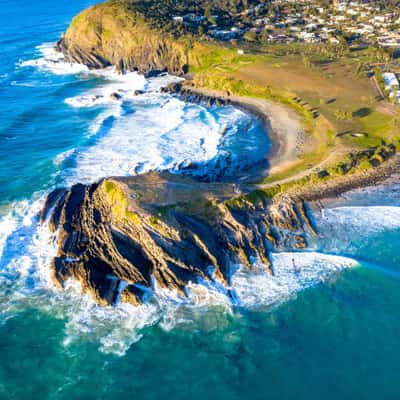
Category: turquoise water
[330,332]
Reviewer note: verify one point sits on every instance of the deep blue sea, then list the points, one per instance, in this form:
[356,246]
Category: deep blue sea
[328,332]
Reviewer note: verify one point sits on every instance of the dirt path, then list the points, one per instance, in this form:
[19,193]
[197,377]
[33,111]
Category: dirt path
[383,105]
[334,155]
[377,89]
[288,138]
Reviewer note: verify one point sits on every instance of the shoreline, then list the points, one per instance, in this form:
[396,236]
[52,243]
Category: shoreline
[333,189]
[282,124]
[284,130]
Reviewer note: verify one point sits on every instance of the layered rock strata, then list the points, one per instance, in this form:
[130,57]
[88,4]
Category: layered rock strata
[122,238]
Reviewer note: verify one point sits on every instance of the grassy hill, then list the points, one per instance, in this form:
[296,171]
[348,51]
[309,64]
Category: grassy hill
[331,90]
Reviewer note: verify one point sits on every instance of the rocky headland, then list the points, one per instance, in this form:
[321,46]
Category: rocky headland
[113,34]
[123,237]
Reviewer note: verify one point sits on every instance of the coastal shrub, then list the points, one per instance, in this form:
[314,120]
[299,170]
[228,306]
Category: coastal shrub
[118,202]
[365,165]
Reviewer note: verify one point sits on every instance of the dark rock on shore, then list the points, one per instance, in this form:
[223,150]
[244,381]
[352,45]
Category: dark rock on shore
[188,94]
[115,96]
[335,187]
[118,237]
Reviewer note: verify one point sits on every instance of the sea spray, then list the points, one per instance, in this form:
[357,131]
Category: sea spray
[184,132]
[52,61]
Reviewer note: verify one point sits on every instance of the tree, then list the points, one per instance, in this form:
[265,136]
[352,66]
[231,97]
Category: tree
[250,36]
[208,14]
[264,36]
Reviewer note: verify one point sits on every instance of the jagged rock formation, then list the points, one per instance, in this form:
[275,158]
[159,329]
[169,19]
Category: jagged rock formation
[113,34]
[119,238]
[185,91]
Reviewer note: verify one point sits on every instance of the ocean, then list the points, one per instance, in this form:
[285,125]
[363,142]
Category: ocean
[329,331]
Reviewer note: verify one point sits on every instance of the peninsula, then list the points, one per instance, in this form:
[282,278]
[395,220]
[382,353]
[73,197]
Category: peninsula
[332,121]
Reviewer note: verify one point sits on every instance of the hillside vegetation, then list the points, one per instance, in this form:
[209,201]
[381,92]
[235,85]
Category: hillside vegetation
[112,33]
[326,85]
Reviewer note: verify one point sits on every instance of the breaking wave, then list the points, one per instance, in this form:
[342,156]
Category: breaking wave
[53,61]
[25,281]
[358,231]
[134,134]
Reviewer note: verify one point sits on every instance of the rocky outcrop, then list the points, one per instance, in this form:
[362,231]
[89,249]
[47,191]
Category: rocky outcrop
[111,33]
[120,238]
[186,92]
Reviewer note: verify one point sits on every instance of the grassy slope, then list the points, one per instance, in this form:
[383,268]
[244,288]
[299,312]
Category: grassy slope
[112,31]
[350,118]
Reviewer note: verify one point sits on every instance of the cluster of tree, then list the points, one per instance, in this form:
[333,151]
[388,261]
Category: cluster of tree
[388,4]
[241,13]
[221,12]
[158,10]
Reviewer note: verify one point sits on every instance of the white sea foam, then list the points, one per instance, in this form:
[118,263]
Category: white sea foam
[60,158]
[348,230]
[159,132]
[29,249]
[25,280]
[293,272]
[152,137]
[7,227]
[122,84]
[367,220]
[20,217]
[53,61]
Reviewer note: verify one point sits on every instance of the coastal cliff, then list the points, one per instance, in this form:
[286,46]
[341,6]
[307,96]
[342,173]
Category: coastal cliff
[121,238]
[112,33]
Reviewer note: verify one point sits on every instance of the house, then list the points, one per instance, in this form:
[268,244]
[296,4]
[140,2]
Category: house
[338,18]
[308,37]
[177,19]
[224,35]
[378,19]
[351,11]
[195,19]
[391,81]
[395,95]
[311,27]
[389,41]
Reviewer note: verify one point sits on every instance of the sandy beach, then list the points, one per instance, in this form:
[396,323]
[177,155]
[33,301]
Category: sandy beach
[288,139]
[283,126]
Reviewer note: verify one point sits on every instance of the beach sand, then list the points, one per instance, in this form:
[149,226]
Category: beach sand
[283,127]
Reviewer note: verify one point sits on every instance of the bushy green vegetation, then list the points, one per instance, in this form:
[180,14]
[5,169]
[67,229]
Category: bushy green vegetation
[326,84]
[118,201]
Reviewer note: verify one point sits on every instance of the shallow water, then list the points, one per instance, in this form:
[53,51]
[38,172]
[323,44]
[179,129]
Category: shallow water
[329,331]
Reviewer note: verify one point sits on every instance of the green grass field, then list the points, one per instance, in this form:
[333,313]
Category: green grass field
[350,117]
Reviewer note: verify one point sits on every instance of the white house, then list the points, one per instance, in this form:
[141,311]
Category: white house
[391,81]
